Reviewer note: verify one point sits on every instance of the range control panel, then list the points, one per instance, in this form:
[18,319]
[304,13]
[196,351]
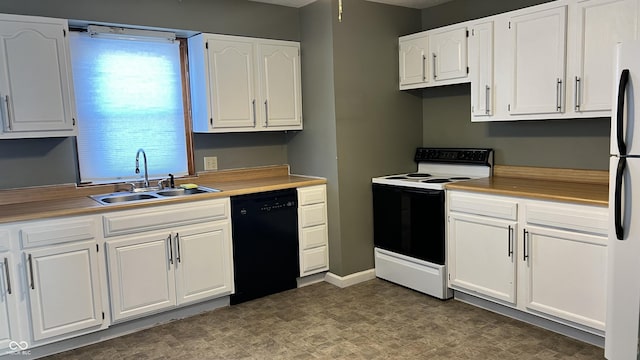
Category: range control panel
[455,155]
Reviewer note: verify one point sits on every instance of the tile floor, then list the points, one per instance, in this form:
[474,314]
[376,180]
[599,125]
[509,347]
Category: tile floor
[371,320]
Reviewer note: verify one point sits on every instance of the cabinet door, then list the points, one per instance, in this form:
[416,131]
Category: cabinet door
[141,275]
[448,51]
[481,64]
[414,69]
[600,25]
[231,83]
[566,273]
[281,99]
[538,60]
[35,79]
[64,289]
[8,300]
[204,262]
[481,256]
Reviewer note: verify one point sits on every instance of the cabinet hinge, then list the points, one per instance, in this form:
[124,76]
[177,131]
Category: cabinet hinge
[449,276]
[103,315]
[97,248]
[467,33]
[467,69]
[509,24]
[64,33]
[509,107]
[211,121]
[206,45]
[73,121]
[473,32]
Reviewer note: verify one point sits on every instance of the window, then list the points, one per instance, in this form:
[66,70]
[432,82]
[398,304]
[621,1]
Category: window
[128,97]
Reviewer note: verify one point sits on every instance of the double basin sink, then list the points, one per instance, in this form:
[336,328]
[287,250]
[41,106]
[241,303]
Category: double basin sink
[143,195]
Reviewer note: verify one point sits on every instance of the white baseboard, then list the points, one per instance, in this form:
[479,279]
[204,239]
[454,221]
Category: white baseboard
[351,279]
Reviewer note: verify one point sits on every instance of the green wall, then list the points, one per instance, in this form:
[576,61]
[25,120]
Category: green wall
[357,124]
[446,112]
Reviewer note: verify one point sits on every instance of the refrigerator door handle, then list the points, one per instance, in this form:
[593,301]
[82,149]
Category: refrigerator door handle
[622,89]
[622,165]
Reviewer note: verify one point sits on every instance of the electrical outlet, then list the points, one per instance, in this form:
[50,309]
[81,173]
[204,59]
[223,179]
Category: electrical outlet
[211,163]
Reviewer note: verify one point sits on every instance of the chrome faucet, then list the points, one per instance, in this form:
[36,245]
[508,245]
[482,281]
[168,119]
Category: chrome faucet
[146,173]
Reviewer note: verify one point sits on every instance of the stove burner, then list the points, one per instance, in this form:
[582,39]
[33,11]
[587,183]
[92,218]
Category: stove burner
[396,178]
[418,175]
[436,181]
[460,178]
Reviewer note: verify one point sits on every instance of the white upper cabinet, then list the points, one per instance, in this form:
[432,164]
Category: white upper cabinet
[414,70]
[597,25]
[280,86]
[550,61]
[538,62]
[230,81]
[481,69]
[36,90]
[433,58]
[244,84]
[448,50]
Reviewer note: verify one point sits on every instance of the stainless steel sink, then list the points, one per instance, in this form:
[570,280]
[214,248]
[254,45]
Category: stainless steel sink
[135,196]
[112,199]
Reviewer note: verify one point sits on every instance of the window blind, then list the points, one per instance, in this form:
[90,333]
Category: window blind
[128,96]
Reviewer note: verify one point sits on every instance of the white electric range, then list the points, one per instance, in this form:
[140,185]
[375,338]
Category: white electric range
[409,216]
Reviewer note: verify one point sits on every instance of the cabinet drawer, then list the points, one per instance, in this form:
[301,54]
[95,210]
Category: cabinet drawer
[312,215]
[314,259]
[312,195]
[162,217]
[588,219]
[57,231]
[314,236]
[483,205]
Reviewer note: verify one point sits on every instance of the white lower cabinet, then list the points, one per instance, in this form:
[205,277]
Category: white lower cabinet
[9,320]
[483,256]
[164,268]
[64,289]
[542,257]
[313,230]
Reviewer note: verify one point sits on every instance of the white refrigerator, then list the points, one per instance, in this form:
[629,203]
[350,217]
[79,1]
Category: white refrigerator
[623,262]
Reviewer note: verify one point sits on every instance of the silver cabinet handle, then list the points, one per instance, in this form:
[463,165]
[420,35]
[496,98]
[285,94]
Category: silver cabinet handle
[434,65]
[170,250]
[6,273]
[30,260]
[510,242]
[424,68]
[558,95]
[7,113]
[577,94]
[177,240]
[253,105]
[487,94]
[266,113]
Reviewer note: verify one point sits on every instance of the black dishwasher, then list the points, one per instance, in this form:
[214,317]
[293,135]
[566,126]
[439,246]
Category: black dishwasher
[265,243]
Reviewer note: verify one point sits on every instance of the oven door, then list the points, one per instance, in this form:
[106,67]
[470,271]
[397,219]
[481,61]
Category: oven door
[409,221]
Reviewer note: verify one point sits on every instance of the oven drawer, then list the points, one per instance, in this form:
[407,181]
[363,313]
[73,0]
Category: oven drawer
[483,205]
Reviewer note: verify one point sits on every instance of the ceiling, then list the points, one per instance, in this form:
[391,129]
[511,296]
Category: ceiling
[417,4]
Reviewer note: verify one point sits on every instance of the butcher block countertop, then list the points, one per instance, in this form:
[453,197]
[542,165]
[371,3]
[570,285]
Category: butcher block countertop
[578,186]
[68,199]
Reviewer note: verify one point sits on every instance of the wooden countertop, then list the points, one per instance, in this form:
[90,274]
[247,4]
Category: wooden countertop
[66,200]
[578,186]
